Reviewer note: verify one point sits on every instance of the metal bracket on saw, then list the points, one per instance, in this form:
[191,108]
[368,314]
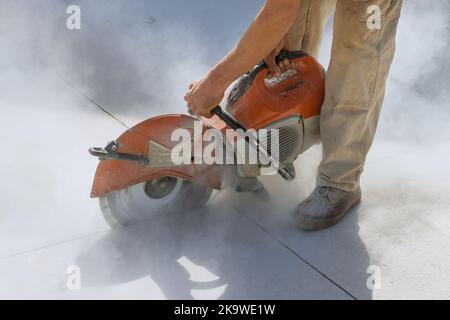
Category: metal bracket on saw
[110,153]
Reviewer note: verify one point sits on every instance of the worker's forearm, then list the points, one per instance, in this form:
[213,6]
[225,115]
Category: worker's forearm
[268,29]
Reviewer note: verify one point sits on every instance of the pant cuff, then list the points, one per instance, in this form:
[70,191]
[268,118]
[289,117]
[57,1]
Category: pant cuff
[324,182]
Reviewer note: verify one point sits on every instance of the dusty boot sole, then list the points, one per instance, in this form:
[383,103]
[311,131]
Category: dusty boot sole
[319,224]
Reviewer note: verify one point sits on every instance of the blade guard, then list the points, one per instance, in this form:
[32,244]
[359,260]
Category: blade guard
[113,175]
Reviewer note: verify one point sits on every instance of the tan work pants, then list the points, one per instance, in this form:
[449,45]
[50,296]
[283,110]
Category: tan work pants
[361,57]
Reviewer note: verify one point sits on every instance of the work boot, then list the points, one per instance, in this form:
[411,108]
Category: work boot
[325,207]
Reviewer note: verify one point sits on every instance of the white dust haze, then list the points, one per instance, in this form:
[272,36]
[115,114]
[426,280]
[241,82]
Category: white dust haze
[136,59]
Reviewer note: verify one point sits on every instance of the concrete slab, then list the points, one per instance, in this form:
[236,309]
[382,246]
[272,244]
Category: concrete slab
[401,229]
[206,254]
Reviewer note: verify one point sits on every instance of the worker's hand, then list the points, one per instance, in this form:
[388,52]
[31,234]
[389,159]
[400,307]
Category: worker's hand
[275,70]
[203,96]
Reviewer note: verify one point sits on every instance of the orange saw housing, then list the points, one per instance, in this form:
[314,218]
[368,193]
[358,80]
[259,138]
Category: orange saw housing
[255,103]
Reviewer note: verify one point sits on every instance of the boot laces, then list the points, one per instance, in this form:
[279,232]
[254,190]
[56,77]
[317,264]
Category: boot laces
[325,191]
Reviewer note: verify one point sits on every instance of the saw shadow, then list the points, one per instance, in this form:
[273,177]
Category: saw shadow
[153,249]
[338,253]
[227,256]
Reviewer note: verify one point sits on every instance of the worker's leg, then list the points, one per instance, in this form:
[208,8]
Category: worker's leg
[307,30]
[360,62]
[355,86]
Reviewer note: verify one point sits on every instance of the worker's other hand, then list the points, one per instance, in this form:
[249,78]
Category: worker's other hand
[275,70]
[203,96]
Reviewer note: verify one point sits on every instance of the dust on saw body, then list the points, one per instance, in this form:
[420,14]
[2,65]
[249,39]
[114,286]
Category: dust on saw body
[135,179]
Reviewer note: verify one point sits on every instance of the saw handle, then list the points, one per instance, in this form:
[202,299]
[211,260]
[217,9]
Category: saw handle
[225,117]
[290,55]
[230,121]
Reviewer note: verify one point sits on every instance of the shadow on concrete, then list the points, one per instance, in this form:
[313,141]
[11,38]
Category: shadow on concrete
[338,252]
[219,253]
[341,254]
[149,249]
